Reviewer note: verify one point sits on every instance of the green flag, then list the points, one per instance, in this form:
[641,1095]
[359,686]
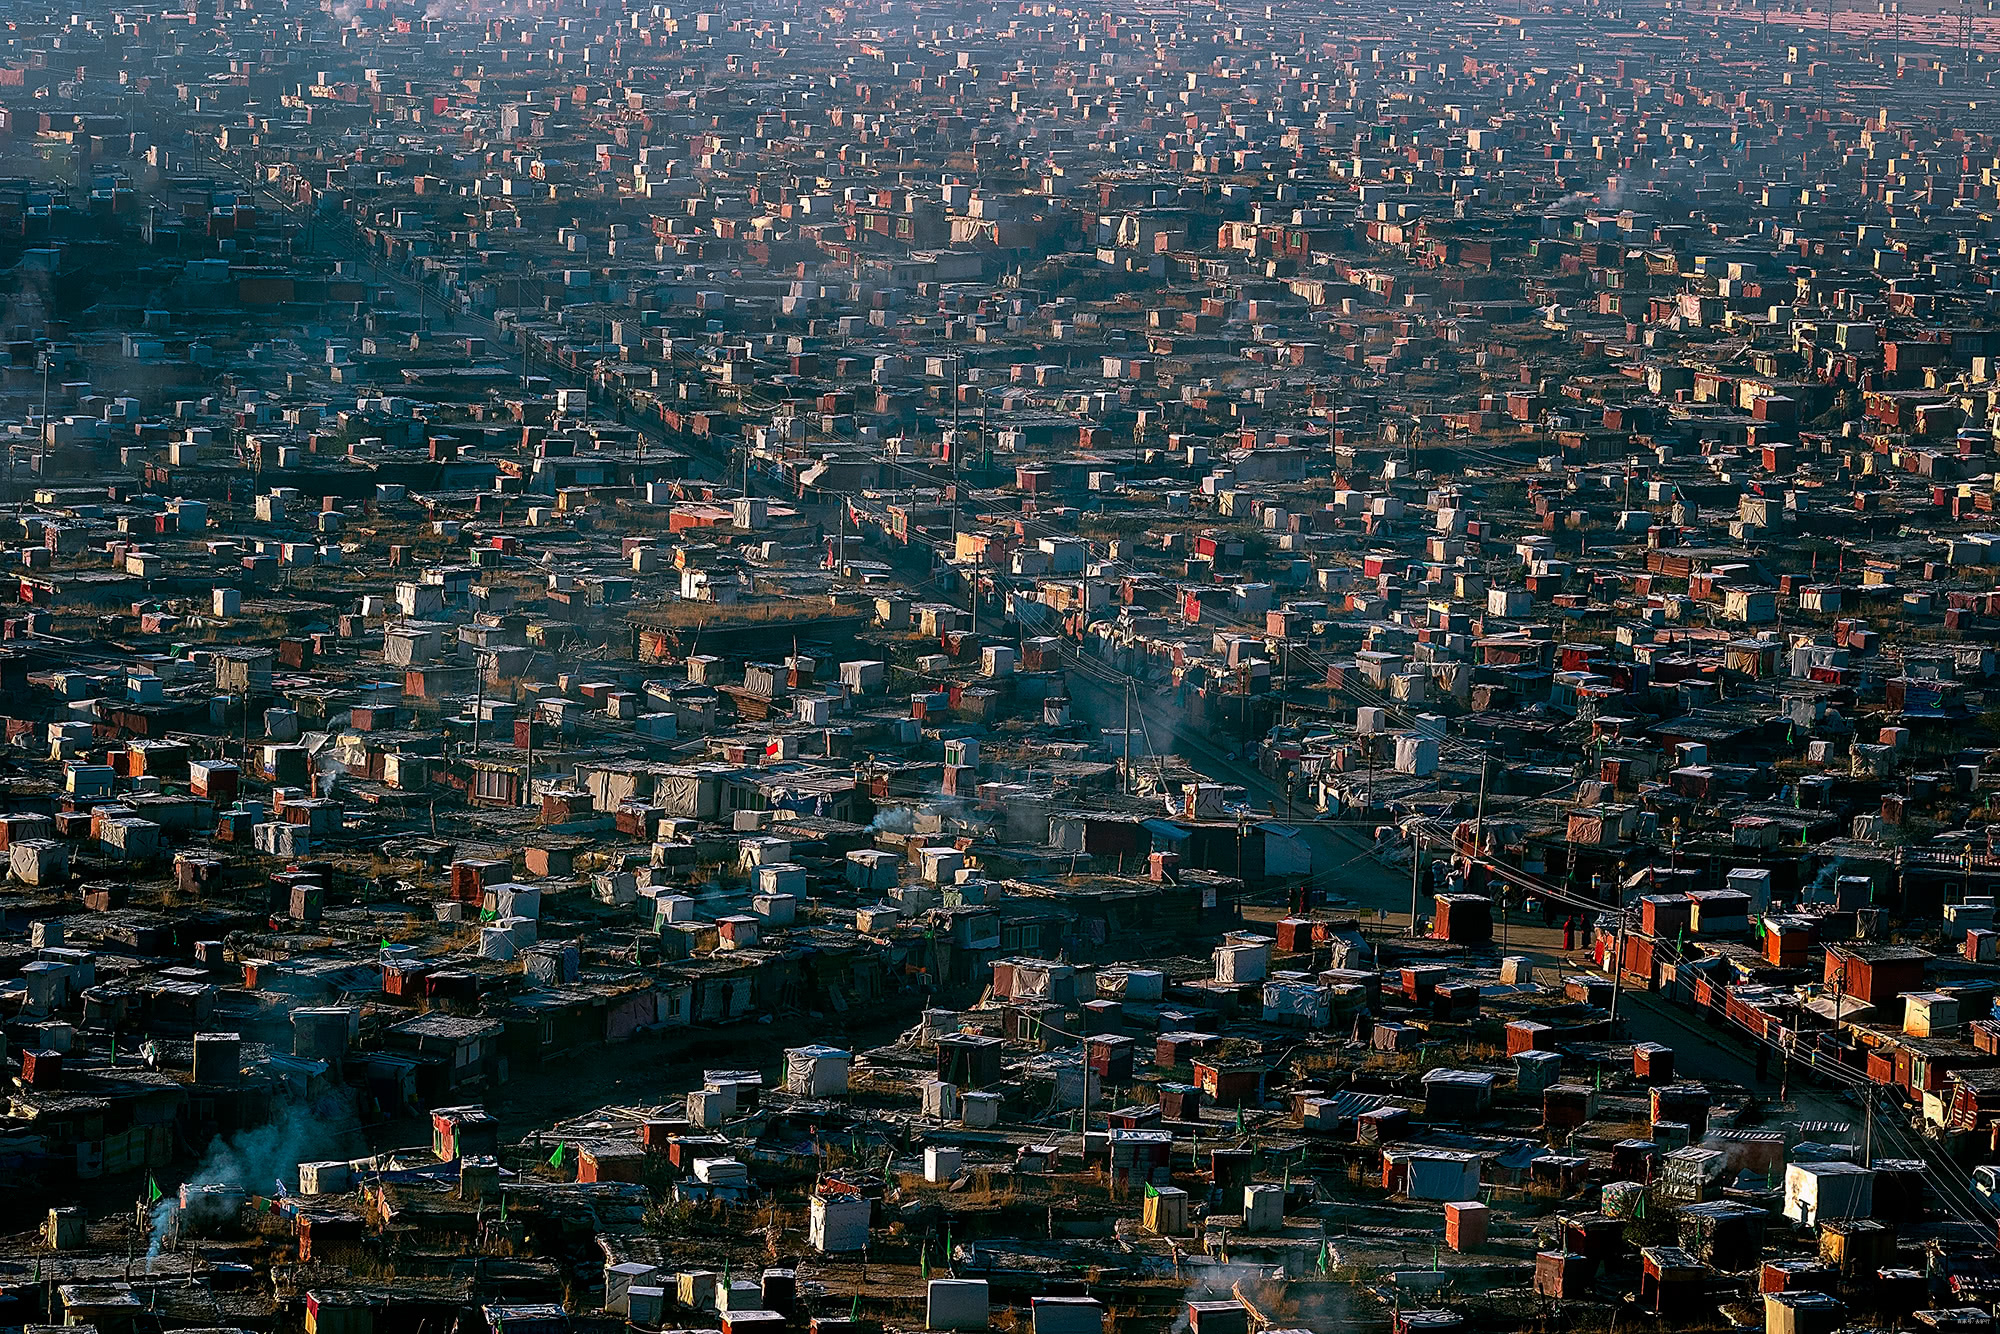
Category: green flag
[385,944]
[1239,1120]
[924,1262]
[1152,1191]
[1434,1256]
[556,1158]
[152,1190]
[114,1051]
[1325,1256]
[854,1312]
[947,1245]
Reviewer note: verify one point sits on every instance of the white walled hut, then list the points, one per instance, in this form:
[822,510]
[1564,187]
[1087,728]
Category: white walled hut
[837,1224]
[817,1071]
[620,1279]
[1829,1190]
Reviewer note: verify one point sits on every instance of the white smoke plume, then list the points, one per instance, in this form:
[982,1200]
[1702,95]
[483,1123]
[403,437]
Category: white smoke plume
[261,1161]
[893,820]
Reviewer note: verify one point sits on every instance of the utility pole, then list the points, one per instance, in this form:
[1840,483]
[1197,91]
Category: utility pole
[42,458]
[1839,996]
[1128,738]
[1479,814]
[1416,867]
[478,705]
[1083,611]
[1083,1043]
[528,780]
[1242,833]
[1284,676]
[954,451]
[1617,969]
